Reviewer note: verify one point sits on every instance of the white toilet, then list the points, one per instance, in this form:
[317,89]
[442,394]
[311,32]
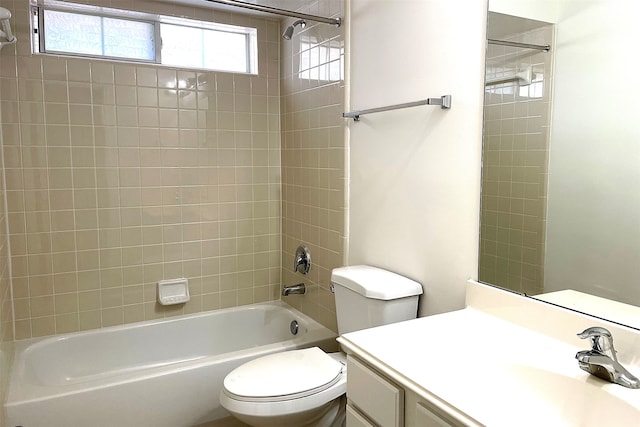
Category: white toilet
[306,387]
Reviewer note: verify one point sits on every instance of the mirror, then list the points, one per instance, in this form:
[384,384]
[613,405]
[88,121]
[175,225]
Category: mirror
[561,161]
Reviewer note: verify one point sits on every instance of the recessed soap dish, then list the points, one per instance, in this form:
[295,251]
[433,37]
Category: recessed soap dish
[174,291]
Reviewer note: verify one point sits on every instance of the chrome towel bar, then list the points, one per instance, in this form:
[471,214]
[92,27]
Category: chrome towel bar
[543,47]
[444,102]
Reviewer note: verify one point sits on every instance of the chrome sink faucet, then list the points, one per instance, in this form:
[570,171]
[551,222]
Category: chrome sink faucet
[602,361]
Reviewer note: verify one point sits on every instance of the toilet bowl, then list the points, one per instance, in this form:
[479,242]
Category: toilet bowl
[294,388]
[307,387]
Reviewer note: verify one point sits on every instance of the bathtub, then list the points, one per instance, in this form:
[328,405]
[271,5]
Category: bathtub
[158,373]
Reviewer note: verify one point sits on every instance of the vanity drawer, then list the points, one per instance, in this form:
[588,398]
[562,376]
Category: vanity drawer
[375,396]
[354,419]
[426,418]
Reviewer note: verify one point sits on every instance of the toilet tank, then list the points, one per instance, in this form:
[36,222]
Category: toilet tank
[369,296]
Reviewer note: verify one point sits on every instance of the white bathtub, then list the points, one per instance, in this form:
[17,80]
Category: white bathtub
[160,373]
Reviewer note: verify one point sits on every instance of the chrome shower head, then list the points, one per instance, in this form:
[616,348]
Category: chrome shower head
[288,33]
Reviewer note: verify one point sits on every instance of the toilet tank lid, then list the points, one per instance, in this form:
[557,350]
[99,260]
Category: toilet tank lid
[376,283]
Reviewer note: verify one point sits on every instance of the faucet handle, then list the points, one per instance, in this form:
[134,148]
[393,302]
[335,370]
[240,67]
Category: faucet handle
[595,331]
[601,340]
[302,260]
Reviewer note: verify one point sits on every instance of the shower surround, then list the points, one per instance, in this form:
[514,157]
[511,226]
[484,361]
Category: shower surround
[119,175]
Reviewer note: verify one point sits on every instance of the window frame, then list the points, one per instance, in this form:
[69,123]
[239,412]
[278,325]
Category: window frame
[38,33]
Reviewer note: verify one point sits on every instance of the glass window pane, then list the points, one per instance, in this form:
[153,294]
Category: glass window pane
[95,35]
[181,46]
[72,32]
[128,39]
[114,33]
[225,51]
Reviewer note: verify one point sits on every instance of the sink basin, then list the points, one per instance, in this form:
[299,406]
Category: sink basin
[582,399]
[526,395]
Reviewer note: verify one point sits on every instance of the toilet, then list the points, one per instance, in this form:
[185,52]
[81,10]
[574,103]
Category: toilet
[307,387]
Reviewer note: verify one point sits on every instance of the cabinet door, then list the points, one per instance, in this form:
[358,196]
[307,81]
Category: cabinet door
[375,396]
[426,418]
[354,419]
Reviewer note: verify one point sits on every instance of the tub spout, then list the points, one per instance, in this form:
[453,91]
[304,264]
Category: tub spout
[294,289]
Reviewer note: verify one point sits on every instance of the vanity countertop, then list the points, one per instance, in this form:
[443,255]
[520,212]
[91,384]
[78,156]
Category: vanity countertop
[483,369]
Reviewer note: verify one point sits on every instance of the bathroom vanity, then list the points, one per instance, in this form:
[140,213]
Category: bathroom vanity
[373,397]
[504,360]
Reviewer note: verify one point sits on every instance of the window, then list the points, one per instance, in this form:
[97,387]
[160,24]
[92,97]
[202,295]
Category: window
[321,61]
[204,48]
[535,89]
[80,30]
[75,33]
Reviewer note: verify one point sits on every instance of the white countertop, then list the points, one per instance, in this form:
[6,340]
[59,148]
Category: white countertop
[484,370]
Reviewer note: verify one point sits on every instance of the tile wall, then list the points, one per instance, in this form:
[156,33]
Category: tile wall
[515,165]
[120,175]
[6,307]
[313,158]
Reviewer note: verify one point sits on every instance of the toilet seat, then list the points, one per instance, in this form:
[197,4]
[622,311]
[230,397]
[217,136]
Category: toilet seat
[288,382]
[284,376]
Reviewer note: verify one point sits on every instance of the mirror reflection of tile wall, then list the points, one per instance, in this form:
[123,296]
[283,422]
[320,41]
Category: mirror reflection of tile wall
[515,164]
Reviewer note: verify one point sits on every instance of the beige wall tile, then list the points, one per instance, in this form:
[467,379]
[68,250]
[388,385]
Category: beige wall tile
[42,326]
[90,320]
[66,303]
[312,166]
[78,71]
[123,181]
[112,316]
[66,323]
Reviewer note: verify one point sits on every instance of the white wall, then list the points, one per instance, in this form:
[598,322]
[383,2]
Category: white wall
[415,173]
[541,10]
[593,236]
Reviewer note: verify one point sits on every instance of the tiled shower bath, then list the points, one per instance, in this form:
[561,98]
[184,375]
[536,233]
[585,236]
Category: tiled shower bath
[119,175]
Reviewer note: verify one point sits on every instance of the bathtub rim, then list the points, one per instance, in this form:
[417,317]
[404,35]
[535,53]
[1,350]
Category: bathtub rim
[20,345]
[21,392]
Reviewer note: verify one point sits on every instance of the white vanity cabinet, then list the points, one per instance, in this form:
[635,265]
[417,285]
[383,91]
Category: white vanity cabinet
[373,397]
[373,400]
[419,413]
